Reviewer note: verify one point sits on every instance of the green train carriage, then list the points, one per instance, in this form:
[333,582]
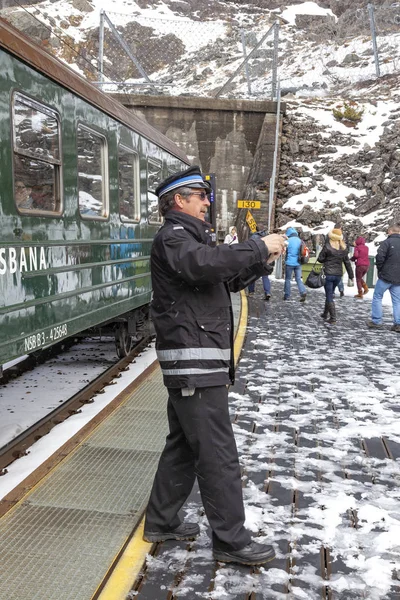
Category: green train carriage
[77,206]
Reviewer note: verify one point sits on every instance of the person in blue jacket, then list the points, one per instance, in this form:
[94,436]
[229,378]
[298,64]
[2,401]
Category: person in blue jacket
[292,264]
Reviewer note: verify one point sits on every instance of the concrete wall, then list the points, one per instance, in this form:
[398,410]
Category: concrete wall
[219,135]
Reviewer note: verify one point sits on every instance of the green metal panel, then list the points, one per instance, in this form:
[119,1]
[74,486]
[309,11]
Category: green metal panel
[308,267]
[370,275]
[60,275]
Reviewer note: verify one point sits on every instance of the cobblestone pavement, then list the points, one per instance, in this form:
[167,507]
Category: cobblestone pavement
[316,418]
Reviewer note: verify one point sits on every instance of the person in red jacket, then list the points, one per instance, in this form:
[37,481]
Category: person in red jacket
[360,257]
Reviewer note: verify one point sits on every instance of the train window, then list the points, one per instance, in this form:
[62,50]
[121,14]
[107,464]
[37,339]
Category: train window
[129,190]
[92,173]
[154,177]
[37,163]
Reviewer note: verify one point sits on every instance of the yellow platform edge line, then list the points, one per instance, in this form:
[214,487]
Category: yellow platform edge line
[129,565]
[126,571]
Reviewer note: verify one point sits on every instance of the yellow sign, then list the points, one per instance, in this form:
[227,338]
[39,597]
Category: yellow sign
[249,204]
[251,222]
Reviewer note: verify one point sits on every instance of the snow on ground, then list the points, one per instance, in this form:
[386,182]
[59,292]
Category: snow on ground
[313,395]
[36,393]
[368,130]
[360,382]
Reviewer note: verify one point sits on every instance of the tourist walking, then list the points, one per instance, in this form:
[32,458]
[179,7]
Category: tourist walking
[333,256]
[293,265]
[388,266]
[266,284]
[231,237]
[361,258]
[340,287]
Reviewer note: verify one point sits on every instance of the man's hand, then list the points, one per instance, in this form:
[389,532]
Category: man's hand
[276,245]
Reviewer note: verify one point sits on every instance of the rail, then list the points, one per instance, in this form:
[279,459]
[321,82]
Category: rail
[19,445]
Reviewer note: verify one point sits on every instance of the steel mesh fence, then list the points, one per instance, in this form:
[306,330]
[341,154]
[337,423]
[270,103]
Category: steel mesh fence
[144,54]
[356,30]
[181,56]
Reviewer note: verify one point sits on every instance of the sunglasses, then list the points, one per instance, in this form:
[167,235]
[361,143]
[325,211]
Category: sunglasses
[202,195]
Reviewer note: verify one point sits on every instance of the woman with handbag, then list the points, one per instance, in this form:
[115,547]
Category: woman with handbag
[333,255]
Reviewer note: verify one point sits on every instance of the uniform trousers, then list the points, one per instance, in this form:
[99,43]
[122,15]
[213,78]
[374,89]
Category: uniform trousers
[200,444]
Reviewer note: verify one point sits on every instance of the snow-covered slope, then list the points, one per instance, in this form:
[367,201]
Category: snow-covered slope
[329,172]
[332,173]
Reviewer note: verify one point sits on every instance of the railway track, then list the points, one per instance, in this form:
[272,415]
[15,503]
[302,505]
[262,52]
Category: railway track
[20,444]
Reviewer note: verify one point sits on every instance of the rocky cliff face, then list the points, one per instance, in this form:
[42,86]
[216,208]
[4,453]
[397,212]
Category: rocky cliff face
[336,176]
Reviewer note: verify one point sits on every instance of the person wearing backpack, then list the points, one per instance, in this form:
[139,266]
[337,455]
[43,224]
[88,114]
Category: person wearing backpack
[293,264]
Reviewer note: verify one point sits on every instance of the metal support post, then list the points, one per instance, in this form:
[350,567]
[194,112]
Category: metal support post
[275,160]
[246,66]
[275,60]
[129,52]
[101,47]
[373,35]
[232,77]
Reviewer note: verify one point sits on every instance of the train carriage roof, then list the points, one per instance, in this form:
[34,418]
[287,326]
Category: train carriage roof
[18,44]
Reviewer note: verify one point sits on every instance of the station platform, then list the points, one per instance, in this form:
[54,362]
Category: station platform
[315,411]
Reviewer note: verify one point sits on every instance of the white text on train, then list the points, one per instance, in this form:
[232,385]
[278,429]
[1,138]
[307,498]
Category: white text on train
[28,259]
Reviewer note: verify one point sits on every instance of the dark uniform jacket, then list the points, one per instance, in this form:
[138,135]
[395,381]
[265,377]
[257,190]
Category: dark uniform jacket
[388,259]
[333,261]
[191,306]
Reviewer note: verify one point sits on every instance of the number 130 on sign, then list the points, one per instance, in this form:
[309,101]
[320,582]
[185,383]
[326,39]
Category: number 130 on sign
[249,204]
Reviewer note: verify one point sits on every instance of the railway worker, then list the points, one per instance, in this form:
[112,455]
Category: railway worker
[192,315]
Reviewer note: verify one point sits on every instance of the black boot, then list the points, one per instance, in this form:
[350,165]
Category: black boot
[184,531]
[332,312]
[252,554]
[325,314]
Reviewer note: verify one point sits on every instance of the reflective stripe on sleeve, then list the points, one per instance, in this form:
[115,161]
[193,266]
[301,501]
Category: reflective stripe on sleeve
[194,354]
[193,371]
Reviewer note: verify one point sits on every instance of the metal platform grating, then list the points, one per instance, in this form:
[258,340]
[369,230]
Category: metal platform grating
[60,542]
[132,430]
[54,553]
[102,479]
